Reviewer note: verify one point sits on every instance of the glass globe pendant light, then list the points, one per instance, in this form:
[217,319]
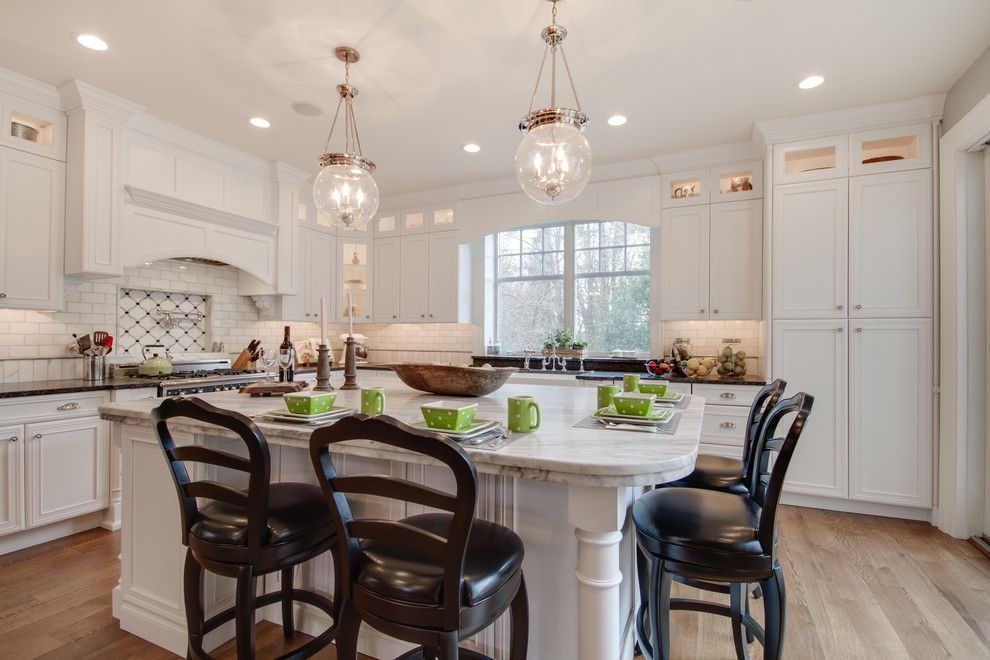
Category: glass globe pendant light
[553,161]
[344,189]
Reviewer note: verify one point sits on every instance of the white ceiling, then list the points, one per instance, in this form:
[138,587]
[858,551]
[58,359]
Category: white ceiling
[438,73]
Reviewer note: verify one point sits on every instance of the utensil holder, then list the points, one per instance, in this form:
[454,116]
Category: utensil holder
[94,368]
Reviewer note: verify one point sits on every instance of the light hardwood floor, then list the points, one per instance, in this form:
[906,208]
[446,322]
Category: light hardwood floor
[858,587]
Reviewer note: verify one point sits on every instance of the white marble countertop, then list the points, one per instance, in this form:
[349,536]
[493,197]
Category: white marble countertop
[556,452]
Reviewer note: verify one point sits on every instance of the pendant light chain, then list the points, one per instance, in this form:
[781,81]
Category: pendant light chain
[554,37]
[352,140]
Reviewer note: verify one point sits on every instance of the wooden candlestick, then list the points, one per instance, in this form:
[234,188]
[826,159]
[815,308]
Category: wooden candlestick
[350,366]
[323,369]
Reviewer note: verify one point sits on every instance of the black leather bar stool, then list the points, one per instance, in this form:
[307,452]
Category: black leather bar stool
[268,528]
[714,536]
[431,579]
[727,474]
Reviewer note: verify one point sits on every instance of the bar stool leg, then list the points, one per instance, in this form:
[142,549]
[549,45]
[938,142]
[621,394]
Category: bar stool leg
[287,584]
[448,646]
[739,596]
[192,589]
[774,607]
[659,604]
[244,612]
[520,623]
[347,635]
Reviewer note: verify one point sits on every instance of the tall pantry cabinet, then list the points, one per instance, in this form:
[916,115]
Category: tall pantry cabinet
[852,270]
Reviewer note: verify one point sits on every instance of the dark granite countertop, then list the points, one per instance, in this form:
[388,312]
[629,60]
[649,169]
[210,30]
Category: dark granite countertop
[72,385]
[749,379]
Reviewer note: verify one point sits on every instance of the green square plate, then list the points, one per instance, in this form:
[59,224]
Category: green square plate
[656,416]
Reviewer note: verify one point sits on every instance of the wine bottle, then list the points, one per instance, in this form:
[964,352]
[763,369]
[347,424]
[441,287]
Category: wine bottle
[286,374]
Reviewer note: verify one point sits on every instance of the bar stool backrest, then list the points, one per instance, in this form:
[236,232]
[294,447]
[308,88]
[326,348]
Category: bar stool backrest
[257,466]
[385,430]
[771,457]
[765,400]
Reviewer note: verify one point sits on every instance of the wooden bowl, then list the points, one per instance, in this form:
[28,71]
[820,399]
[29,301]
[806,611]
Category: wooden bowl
[452,381]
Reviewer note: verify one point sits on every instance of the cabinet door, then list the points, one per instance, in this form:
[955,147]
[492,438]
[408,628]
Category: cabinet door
[442,277]
[890,244]
[387,279]
[890,411]
[736,259]
[413,297]
[12,482]
[295,307]
[684,239]
[32,212]
[322,253]
[812,356]
[66,469]
[354,274]
[810,222]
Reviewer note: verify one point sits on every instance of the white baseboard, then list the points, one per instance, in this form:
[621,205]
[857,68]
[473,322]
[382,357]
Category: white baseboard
[852,506]
[38,535]
[111,517]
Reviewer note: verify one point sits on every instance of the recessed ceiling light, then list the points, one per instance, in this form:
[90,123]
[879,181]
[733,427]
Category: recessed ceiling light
[811,82]
[90,41]
[260,122]
[617,120]
[471,148]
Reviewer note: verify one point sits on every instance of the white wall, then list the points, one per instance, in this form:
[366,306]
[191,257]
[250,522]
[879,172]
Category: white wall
[966,92]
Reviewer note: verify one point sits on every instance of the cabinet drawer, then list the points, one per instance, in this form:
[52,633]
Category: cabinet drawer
[724,425]
[726,395]
[53,406]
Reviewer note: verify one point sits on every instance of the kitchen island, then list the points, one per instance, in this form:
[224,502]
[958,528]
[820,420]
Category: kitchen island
[565,490]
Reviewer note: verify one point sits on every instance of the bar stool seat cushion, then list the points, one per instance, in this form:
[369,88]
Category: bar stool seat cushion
[391,570]
[701,527]
[294,510]
[714,473]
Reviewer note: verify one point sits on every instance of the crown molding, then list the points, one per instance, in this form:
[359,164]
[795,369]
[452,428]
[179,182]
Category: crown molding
[848,120]
[199,144]
[158,202]
[29,89]
[78,96]
[691,159]
[284,172]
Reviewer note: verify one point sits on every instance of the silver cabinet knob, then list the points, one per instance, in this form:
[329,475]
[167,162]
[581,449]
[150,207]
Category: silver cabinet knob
[859,329]
[3,295]
[38,436]
[838,329]
[71,405]
[701,311]
[728,425]
[715,311]
[12,438]
[859,307]
[839,307]
[395,316]
[431,316]
[727,395]
[422,316]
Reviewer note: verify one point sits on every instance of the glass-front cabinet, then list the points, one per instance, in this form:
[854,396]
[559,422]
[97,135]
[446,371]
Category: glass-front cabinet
[354,274]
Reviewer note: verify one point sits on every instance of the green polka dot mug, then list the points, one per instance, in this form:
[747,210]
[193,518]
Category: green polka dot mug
[373,400]
[524,414]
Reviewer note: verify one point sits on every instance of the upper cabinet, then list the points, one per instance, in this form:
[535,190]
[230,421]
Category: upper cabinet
[684,239]
[418,219]
[354,273]
[32,127]
[813,160]
[809,250]
[32,209]
[890,149]
[386,223]
[418,278]
[685,188]
[733,183]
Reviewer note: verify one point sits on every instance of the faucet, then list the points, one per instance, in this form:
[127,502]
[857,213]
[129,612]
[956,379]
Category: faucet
[563,363]
[527,355]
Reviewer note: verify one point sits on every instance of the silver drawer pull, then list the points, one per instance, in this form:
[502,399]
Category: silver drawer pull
[728,425]
[38,436]
[727,395]
[71,405]
[12,438]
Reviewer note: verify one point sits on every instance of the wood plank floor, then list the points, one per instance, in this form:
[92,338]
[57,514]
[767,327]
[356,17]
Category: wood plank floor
[858,587]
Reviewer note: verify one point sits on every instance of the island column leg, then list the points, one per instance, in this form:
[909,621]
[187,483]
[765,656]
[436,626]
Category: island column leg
[598,515]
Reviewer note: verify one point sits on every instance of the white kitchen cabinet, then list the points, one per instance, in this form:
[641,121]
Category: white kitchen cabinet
[354,273]
[388,280]
[891,149]
[736,182]
[810,241]
[890,411]
[32,214]
[684,244]
[890,244]
[415,220]
[812,356]
[386,223]
[736,261]
[66,469]
[685,188]
[12,483]
[813,160]
[315,251]
[414,273]
[442,277]
[443,217]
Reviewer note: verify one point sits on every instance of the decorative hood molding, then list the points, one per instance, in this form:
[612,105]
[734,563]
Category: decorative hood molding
[166,204]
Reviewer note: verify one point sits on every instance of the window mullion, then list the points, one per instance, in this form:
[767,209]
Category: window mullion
[569,256]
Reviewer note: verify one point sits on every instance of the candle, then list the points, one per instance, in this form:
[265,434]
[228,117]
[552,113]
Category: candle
[350,314]
[323,320]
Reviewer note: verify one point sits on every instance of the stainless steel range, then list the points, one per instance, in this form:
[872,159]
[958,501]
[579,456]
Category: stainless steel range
[209,372]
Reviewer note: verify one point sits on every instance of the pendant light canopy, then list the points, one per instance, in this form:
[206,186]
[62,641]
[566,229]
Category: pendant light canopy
[553,161]
[344,189]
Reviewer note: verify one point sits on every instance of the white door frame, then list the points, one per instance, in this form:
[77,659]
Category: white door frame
[962,371]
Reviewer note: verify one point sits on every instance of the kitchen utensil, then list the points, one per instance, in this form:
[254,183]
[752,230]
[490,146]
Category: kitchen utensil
[630,383]
[84,343]
[309,403]
[372,400]
[99,337]
[94,368]
[452,380]
[449,415]
[524,414]
[605,394]
[159,364]
[634,403]
[108,345]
